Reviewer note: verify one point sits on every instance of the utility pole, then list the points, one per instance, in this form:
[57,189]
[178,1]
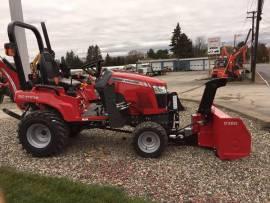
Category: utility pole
[253,65]
[252,34]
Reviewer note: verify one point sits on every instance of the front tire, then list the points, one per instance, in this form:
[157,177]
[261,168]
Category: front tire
[150,139]
[43,133]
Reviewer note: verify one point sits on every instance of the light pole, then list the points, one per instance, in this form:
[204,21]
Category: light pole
[16,14]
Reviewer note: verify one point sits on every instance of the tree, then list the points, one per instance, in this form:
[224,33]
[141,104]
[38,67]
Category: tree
[151,54]
[71,60]
[200,47]
[180,43]
[262,53]
[108,60]
[133,56]
[62,60]
[90,54]
[175,40]
[97,53]
[93,54]
[162,54]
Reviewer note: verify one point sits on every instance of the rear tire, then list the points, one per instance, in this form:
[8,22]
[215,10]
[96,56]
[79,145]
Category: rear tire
[43,133]
[150,139]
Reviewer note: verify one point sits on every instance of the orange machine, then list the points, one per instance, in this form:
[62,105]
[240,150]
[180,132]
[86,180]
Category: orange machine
[228,65]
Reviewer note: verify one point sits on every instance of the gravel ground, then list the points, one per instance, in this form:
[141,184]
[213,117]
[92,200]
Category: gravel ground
[182,174]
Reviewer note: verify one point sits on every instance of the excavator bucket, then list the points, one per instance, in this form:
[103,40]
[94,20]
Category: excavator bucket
[217,130]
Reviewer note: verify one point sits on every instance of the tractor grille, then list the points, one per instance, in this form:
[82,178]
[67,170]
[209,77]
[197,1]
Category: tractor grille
[161,100]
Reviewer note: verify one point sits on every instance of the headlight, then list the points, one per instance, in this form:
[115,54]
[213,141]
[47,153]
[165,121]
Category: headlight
[160,89]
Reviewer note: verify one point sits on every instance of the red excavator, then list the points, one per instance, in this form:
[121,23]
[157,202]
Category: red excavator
[231,66]
[55,108]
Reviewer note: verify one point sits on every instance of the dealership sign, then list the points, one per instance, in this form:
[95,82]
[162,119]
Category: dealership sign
[214,46]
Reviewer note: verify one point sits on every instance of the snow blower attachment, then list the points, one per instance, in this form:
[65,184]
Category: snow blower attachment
[215,129]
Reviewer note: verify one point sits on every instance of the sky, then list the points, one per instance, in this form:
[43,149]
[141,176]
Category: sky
[119,26]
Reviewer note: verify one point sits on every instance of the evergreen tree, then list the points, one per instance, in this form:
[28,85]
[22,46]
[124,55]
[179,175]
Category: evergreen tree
[97,53]
[62,60]
[71,60]
[90,54]
[151,54]
[175,40]
[108,60]
[185,49]
[162,54]
[180,43]
[93,54]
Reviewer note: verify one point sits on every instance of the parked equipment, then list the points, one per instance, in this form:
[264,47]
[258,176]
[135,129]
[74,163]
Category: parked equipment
[150,69]
[229,65]
[9,82]
[55,108]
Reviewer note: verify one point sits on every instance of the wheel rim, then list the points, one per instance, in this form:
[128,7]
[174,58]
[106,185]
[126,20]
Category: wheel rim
[149,142]
[38,135]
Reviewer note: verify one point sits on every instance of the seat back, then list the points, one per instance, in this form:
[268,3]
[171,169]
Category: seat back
[103,80]
[48,68]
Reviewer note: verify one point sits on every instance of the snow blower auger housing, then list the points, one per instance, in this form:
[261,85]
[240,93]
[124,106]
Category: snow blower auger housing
[56,108]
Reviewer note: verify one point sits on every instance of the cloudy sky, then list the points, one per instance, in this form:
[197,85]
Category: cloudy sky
[118,26]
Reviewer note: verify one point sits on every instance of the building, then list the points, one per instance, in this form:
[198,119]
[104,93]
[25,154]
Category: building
[184,64]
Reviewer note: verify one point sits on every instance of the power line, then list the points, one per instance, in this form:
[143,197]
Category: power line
[250,8]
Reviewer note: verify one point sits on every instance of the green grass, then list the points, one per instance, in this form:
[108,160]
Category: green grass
[27,188]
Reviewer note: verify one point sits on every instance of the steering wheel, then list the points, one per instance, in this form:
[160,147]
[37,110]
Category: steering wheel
[89,69]
[93,68]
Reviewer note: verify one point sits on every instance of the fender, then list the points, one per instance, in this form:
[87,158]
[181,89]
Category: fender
[11,76]
[69,107]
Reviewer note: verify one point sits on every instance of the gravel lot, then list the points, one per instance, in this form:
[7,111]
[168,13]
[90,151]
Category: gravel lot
[182,174]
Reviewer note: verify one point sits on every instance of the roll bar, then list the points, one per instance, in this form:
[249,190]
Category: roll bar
[12,36]
[17,57]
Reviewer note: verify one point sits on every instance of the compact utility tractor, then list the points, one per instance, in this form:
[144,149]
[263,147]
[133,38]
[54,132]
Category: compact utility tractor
[55,108]
[9,82]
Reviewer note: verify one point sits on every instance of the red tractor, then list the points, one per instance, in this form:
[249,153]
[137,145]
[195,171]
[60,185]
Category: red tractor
[55,108]
[9,82]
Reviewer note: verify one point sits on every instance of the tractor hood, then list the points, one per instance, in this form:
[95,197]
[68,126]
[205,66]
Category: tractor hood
[139,78]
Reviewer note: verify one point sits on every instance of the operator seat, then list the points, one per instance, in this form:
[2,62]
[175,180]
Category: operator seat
[49,71]
[115,110]
[101,83]
[103,80]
